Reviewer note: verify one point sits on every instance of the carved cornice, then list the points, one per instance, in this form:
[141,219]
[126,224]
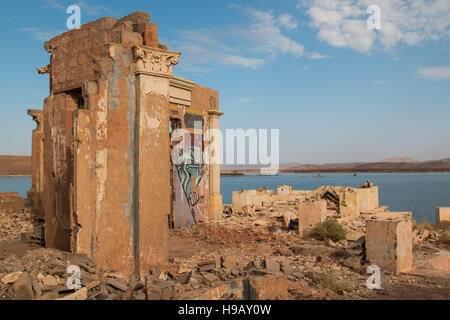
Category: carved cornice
[37,116]
[182,83]
[154,61]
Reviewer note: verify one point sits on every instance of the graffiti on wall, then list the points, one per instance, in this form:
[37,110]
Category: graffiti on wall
[190,177]
[190,194]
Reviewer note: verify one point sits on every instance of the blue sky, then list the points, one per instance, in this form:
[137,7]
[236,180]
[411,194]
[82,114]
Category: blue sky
[337,91]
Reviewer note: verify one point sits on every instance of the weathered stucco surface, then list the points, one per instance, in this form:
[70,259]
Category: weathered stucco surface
[102,170]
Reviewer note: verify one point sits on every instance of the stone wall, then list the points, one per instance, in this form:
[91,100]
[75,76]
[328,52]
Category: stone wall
[102,167]
[11,200]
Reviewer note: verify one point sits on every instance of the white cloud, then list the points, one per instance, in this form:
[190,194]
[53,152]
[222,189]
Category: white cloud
[93,10]
[380,82]
[344,23]
[239,61]
[251,45]
[245,100]
[40,34]
[86,8]
[317,56]
[434,73]
[54,4]
[265,34]
[286,21]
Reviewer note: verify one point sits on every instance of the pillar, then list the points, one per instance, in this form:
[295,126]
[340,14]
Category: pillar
[153,68]
[37,175]
[215,197]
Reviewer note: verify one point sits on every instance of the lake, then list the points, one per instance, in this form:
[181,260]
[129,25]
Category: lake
[420,193]
[15,184]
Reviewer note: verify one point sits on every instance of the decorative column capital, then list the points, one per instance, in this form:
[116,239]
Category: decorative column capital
[216,113]
[154,61]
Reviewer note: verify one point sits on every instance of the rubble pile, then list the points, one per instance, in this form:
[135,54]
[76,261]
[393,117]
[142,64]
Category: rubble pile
[14,223]
[252,253]
[43,274]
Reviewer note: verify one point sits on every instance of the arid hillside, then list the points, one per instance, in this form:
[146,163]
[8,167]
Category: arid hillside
[424,166]
[386,165]
[15,166]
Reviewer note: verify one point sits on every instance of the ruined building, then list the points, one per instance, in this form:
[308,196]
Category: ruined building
[102,170]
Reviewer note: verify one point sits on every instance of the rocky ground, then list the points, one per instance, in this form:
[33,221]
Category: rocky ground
[249,254]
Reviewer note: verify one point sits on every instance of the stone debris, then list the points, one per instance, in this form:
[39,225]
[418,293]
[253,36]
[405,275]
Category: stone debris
[249,254]
[11,278]
[18,224]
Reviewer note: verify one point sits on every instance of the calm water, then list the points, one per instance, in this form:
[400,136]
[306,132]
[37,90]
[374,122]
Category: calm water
[420,193]
[15,184]
[416,192]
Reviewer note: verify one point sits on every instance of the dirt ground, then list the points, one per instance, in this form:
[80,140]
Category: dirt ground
[238,248]
[255,243]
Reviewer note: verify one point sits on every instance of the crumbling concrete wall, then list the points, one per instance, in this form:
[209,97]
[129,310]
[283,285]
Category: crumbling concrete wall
[389,243]
[11,200]
[442,214]
[349,201]
[106,167]
[367,198]
[311,214]
[263,197]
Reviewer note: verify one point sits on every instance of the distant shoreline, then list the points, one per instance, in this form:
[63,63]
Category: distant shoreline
[16,175]
[240,173]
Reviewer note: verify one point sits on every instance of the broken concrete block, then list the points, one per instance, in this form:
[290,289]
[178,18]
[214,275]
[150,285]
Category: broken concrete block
[348,203]
[50,281]
[11,278]
[207,266]
[117,284]
[233,289]
[266,288]
[229,262]
[311,214]
[389,244]
[442,214]
[210,277]
[271,266]
[184,277]
[23,287]
[282,193]
[79,295]
[367,198]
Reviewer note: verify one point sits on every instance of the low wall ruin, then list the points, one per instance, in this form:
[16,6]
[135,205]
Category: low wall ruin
[349,201]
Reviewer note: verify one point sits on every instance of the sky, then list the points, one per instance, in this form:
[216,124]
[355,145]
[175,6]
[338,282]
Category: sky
[337,90]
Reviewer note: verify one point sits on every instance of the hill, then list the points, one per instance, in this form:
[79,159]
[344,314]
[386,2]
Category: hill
[442,165]
[398,159]
[15,166]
